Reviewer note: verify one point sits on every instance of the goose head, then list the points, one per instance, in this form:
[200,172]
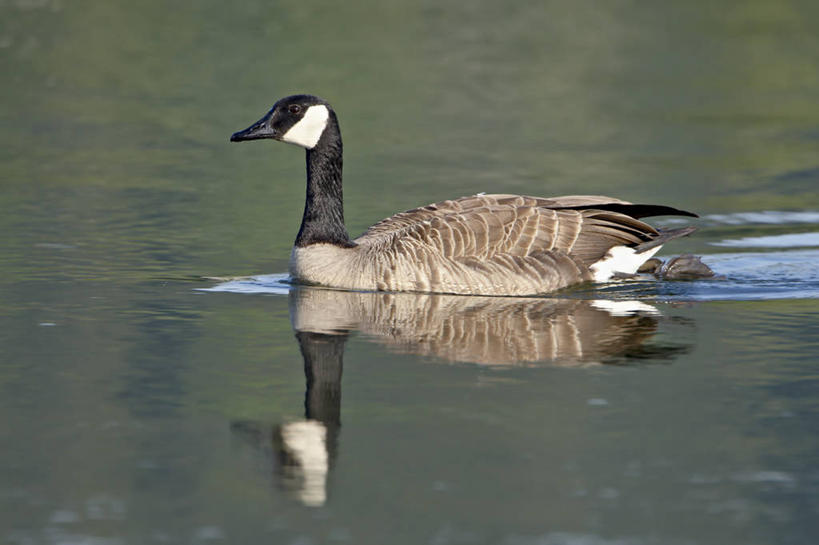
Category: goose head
[297,119]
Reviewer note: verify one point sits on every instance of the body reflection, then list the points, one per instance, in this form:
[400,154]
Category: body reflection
[487,330]
[494,331]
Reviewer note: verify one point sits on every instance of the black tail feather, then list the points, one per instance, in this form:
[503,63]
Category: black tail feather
[636,210]
[665,236]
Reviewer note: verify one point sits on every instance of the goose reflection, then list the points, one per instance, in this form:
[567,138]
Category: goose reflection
[495,331]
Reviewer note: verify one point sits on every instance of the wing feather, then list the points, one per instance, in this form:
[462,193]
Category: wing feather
[482,227]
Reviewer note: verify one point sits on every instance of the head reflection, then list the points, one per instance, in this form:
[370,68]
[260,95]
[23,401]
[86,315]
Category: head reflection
[305,449]
[494,331]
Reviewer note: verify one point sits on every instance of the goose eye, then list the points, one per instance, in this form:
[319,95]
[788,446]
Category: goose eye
[294,108]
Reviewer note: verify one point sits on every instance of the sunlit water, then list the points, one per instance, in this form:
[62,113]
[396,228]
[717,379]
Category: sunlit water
[142,401]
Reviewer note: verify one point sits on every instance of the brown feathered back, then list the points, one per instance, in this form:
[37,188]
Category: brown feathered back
[483,226]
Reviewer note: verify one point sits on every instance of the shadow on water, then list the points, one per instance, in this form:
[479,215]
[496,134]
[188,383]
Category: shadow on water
[489,331]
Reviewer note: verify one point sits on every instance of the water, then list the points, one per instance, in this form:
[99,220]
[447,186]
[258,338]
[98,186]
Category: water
[143,401]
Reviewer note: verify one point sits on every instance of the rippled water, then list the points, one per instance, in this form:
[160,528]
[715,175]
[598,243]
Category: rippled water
[144,401]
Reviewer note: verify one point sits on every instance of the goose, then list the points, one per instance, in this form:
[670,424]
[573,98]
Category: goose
[484,244]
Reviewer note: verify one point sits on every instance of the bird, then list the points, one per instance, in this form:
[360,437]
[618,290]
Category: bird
[483,244]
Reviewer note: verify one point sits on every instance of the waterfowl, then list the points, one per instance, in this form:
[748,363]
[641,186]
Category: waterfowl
[478,245]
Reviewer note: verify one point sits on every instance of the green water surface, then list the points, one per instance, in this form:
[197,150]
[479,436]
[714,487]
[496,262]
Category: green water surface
[136,408]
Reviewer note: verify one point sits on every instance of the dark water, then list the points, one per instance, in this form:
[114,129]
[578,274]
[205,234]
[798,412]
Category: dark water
[141,403]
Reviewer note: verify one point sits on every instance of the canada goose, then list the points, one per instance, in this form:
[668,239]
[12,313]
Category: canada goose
[479,245]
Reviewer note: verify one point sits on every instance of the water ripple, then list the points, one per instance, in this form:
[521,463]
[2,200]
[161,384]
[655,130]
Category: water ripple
[790,240]
[770,217]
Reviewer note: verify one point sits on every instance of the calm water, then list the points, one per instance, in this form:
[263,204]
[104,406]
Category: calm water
[141,403]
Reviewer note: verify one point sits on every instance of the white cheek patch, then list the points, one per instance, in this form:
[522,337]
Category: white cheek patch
[306,442]
[308,130]
[620,259]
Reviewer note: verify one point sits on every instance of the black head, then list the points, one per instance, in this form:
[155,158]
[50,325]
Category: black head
[297,119]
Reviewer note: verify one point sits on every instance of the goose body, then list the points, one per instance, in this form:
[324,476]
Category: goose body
[478,245]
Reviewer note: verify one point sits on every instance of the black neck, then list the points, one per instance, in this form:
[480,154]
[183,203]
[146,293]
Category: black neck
[323,220]
[323,362]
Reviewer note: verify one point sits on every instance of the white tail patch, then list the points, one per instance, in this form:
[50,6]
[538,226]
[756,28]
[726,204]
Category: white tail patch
[308,130]
[624,308]
[620,259]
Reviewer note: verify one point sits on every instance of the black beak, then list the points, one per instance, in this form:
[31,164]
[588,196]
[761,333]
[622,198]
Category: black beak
[257,131]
